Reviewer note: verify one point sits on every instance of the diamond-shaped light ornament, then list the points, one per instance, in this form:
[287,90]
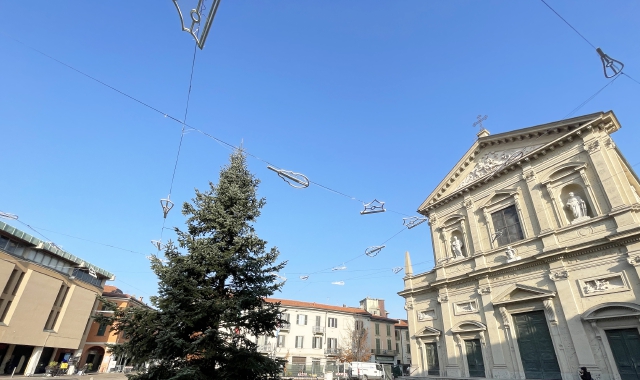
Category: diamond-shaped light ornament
[397,270]
[200,18]
[373,251]
[167,205]
[373,207]
[297,180]
[413,221]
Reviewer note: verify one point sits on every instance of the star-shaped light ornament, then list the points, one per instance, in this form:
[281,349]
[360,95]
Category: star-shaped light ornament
[373,207]
[373,251]
[397,270]
[338,283]
[413,221]
[296,180]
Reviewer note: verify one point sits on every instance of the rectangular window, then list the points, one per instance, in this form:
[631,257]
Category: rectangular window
[377,329]
[317,342]
[281,340]
[286,317]
[302,319]
[398,348]
[506,226]
[299,341]
[388,344]
[102,329]
[408,348]
[57,306]
[333,322]
[377,345]
[318,320]
[359,325]
[389,330]
[332,343]
[9,292]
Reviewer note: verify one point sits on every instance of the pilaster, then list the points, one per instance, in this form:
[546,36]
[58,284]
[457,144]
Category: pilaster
[33,361]
[452,364]
[473,224]
[559,274]
[604,170]
[541,215]
[499,368]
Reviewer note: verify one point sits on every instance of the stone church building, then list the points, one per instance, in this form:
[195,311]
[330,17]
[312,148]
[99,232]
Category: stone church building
[536,241]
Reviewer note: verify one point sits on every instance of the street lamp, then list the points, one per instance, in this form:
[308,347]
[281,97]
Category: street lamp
[198,29]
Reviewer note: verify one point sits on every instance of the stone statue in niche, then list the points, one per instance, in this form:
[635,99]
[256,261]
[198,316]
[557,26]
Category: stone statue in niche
[578,208]
[511,254]
[456,248]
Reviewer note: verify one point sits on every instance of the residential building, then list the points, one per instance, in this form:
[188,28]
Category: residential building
[403,345]
[312,340]
[47,299]
[94,351]
[382,334]
[536,244]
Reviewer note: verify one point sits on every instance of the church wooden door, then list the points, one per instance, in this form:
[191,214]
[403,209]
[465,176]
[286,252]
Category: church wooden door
[433,366]
[625,345]
[474,358]
[536,347]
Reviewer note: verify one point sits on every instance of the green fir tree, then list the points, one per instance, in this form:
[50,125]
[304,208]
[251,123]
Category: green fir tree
[211,299]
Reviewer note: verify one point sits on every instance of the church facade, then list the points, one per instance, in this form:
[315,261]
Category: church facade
[536,241]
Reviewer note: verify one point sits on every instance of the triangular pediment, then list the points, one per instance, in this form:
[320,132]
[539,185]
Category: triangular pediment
[519,293]
[429,332]
[494,155]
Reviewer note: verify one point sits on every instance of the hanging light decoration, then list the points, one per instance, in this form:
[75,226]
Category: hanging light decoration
[373,251]
[413,221]
[198,29]
[8,216]
[373,207]
[611,67]
[338,283]
[304,278]
[342,267]
[301,181]
[157,244]
[167,205]
[396,270]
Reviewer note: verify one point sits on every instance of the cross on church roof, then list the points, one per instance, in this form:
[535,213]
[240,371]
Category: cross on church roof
[480,120]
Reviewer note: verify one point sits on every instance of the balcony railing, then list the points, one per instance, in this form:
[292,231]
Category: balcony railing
[318,329]
[264,348]
[332,351]
[285,326]
[380,351]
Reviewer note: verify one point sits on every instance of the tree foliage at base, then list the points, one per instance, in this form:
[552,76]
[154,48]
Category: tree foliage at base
[211,299]
[355,344]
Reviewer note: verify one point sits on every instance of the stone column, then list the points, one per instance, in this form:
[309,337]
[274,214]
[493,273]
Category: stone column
[633,253]
[499,366]
[473,225]
[571,311]
[452,364]
[30,369]
[605,171]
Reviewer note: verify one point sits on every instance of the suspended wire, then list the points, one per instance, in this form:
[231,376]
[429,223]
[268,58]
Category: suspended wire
[182,123]
[627,75]
[591,97]
[571,26]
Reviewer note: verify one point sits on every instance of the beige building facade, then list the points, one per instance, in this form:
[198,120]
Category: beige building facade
[536,243]
[47,298]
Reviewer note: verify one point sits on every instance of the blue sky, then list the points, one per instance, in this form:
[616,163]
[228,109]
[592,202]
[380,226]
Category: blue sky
[373,99]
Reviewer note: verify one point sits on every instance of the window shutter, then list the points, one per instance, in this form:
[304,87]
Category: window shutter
[305,319]
[318,320]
